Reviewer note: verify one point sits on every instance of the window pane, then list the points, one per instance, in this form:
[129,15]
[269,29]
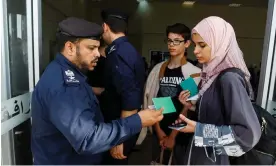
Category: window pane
[18,48]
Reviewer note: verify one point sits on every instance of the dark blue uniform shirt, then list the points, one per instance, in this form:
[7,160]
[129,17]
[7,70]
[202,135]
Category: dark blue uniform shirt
[67,125]
[124,79]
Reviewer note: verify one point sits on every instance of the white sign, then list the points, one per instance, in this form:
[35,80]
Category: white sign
[14,112]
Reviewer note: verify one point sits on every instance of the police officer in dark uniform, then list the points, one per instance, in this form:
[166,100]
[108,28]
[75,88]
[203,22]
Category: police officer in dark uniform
[124,80]
[67,124]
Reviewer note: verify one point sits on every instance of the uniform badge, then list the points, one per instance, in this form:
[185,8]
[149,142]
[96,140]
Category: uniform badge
[111,49]
[70,77]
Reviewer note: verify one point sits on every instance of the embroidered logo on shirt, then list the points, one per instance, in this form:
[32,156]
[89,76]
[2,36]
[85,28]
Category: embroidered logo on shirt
[71,77]
[111,49]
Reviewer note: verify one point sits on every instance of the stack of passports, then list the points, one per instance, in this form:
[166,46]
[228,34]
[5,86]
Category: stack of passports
[166,102]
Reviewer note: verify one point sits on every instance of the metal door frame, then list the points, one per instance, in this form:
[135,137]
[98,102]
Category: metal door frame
[34,47]
[268,73]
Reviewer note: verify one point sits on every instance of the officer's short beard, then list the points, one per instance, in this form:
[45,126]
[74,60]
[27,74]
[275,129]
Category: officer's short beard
[81,64]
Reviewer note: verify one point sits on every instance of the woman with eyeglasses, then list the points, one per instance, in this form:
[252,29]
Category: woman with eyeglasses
[163,81]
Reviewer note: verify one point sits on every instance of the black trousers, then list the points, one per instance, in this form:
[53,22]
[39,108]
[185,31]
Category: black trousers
[128,146]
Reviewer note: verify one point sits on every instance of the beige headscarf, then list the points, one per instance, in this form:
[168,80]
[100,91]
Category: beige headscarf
[225,52]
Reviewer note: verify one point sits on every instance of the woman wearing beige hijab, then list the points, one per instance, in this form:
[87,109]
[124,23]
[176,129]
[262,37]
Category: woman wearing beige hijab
[227,124]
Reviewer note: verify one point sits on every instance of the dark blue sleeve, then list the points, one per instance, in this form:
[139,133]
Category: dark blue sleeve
[127,86]
[77,119]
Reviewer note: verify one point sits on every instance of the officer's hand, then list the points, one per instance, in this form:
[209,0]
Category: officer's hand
[150,117]
[117,152]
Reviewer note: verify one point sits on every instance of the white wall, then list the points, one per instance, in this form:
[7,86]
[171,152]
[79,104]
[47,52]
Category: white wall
[147,28]
[53,11]
[249,25]
[128,6]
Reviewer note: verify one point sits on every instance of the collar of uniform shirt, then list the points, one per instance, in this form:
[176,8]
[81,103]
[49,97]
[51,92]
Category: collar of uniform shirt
[116,42]
[63,60]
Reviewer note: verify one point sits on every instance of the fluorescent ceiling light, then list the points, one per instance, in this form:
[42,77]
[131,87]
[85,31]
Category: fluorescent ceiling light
[141,1]
[188,3]
[234,5]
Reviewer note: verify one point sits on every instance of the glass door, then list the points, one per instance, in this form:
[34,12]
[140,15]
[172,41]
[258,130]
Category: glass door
[20,42]
[267,91]
[271,100]
[271,104]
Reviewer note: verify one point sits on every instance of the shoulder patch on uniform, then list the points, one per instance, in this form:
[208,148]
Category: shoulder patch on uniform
[113,48]
[70,77]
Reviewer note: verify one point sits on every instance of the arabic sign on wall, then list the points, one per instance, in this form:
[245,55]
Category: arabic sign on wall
[14,112]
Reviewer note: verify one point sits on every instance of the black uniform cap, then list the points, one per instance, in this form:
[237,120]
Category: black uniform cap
[80,28]
[114,13]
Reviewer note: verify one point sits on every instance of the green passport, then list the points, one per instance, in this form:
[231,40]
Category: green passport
[190,85]
[164,102]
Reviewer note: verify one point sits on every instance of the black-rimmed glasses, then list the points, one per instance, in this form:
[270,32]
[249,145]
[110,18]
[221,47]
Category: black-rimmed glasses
[174,42]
